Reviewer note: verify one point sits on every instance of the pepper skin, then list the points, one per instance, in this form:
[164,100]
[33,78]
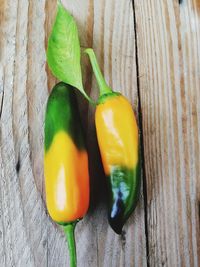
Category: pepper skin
[66,159]
[118,140]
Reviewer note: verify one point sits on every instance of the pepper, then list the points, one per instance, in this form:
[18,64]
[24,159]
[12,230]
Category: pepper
[118,139]
[65,163]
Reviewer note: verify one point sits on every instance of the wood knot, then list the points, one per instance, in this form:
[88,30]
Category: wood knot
[18,165]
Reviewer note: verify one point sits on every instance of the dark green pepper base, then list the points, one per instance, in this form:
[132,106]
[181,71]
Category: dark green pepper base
[124,188]
[63,95]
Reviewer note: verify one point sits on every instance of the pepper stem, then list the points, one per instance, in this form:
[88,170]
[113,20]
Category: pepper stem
[69,233]
[103,87]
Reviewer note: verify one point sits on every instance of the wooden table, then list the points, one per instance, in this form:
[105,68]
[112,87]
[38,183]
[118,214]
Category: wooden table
[150,51]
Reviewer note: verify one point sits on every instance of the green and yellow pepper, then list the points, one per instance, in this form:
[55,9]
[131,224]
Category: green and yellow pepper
[118,140]
[65,162]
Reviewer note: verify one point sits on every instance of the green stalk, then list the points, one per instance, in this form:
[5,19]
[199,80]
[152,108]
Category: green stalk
[69,233]
[103,87]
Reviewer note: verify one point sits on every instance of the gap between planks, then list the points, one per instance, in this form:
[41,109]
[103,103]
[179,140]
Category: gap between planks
[140,121]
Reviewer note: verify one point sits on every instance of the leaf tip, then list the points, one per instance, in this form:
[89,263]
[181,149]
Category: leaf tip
[61,7]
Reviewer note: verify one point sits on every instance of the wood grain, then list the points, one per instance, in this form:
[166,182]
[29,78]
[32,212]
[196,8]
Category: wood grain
[169,83]
[28,237]
[159,71]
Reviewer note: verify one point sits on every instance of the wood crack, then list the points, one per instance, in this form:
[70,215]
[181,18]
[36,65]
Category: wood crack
[1,89]
[1,107]
[140,119]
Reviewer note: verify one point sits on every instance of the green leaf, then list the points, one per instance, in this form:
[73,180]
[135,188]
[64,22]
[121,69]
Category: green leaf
[63,51]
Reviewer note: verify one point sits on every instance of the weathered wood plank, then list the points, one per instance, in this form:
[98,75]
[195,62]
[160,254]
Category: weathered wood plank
[11,205]
[114,43]
[168,39]
[28,237]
